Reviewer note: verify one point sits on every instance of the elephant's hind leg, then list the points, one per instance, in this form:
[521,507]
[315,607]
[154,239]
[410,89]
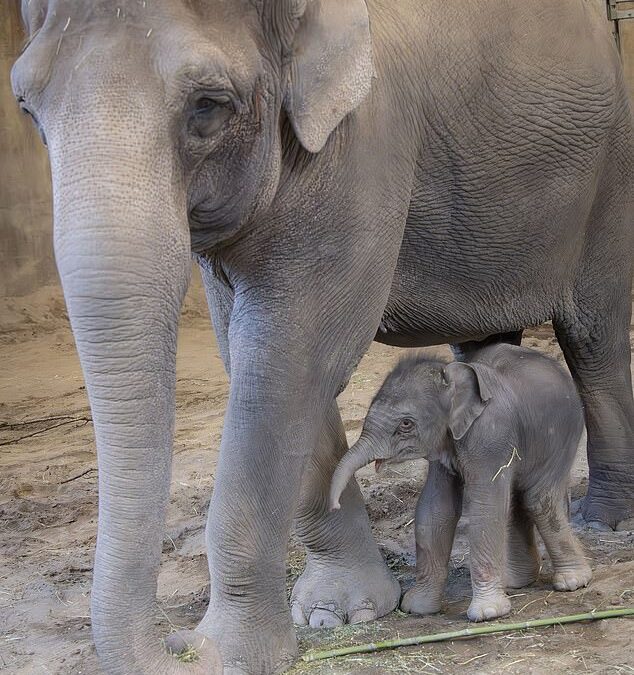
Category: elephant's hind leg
[523,558]
[594,336]
[346,578]
[593,329]
[570,569]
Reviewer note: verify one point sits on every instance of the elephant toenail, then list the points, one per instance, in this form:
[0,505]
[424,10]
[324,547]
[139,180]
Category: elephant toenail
[326,615]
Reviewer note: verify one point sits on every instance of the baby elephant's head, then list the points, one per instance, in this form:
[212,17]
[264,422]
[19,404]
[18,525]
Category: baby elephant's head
[420,407]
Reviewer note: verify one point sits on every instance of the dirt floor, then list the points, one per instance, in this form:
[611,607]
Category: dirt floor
[48,513]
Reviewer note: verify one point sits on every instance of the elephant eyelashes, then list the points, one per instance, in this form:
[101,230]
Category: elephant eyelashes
[209,115]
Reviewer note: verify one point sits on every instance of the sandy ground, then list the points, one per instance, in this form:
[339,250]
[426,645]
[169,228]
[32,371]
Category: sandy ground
[48,512]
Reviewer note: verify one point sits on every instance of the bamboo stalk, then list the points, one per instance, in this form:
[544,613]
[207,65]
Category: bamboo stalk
[466,632]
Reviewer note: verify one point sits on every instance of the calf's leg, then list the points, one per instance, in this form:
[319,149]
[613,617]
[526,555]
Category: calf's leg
[437,514]
[523,559]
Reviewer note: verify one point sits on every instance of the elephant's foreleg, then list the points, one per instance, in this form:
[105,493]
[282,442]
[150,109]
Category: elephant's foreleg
[489,506]
[255,496]
[346,579]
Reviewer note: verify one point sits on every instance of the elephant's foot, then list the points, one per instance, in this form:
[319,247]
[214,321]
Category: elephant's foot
[260,642]
[519,575]
[572,578]
[603,508]
[191,647]
[330,594]
[609,502]
[489,606]
[421,599]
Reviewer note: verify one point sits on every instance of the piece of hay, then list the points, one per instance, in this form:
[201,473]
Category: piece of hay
[467,632]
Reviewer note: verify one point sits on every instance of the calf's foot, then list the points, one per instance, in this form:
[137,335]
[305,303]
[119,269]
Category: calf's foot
[573,578]
[421,599]
[519,575]
[489,607]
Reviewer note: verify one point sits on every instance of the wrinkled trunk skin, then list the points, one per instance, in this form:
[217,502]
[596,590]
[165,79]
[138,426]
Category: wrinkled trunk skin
[364,451]
[123,253]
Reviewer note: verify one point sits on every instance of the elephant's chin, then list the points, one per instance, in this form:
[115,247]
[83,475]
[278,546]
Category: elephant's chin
[381,464]
[205,238]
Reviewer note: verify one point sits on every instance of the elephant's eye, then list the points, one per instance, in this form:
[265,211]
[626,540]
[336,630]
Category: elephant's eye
[406,425]
[27,111]
[209,114]
[24,108]
[206,104]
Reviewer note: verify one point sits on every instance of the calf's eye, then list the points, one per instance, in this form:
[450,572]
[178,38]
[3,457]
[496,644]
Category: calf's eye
[406,424]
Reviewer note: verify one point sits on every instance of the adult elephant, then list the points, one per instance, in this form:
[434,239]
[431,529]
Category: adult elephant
[404,171]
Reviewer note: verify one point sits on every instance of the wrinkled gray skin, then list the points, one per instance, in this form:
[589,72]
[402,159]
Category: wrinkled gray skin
[507,406]
[342,172]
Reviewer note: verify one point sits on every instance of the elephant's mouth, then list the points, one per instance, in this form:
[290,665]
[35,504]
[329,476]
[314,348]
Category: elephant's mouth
[205,240]
[209,227]
[382,463]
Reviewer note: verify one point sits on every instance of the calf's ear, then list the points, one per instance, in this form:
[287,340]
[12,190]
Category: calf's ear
[470,389]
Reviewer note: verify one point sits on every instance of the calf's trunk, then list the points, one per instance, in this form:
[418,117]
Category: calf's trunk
[361,453]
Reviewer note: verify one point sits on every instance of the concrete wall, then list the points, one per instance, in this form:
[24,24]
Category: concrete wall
[26,251]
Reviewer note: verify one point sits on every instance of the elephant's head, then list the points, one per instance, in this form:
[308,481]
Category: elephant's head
[420,410]
[167,124]
[198,93]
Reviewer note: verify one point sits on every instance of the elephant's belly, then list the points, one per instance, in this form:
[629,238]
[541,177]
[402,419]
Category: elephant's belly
[427,325]
[431,302]
[474,264]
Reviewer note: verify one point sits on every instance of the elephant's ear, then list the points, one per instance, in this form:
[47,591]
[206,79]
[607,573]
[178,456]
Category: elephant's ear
[331,68]
[470,390]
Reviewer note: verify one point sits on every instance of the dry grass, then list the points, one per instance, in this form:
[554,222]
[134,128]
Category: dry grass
[189,655]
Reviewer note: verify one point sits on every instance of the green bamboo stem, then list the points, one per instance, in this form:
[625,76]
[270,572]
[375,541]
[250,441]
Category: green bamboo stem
[466,632]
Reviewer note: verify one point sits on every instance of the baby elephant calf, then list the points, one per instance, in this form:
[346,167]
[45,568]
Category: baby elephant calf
[503,429]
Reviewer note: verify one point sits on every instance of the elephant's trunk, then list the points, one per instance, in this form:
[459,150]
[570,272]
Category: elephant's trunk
[364,451]
[123,253]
